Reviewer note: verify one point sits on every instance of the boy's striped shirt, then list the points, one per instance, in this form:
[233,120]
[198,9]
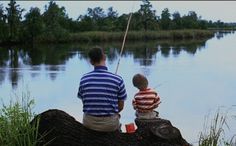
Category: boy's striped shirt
[146,101]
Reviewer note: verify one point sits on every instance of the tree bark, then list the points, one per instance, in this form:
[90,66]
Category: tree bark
[58,128]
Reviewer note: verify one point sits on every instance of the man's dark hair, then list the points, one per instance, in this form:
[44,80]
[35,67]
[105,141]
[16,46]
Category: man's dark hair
[96,54]
[140,81]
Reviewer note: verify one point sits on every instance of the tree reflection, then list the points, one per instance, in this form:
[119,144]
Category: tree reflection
[2,76]
[112,54]
[53,58]
[13,59]
[176,50]
[165,50]
[14,65]
[221,33]
[4,56]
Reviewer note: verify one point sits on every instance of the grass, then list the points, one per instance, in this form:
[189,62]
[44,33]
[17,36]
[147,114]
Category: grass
[16,128]
[214,133]
[102,36]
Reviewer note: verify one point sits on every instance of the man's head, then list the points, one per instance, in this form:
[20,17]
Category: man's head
[97,56]
[140,82]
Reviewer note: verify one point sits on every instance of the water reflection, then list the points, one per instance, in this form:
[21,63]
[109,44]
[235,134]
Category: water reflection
[2,76]
[220,34]
[53,58]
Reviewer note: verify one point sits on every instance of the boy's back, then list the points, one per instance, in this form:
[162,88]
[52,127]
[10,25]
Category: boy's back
[146,100]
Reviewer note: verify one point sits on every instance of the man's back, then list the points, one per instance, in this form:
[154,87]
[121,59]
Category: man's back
[102,94]
[100,91]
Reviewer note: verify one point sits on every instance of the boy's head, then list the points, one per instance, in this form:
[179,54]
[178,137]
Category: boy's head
[140,82]
[96,55]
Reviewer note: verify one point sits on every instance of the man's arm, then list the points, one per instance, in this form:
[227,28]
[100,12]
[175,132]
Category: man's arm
[120,105]
[79,94]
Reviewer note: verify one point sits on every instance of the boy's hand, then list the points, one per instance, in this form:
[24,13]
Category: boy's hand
[157,101]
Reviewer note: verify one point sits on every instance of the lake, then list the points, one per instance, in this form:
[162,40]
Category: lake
[193,78]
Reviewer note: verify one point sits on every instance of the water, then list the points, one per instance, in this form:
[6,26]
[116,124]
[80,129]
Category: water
[193,78]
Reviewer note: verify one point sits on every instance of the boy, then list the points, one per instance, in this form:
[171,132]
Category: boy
[146,100]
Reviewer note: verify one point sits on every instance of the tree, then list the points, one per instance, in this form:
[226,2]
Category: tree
[85,23]
[219,24]
[98,15]
[148,17]
[111,13]
[110,20]
[136,22]
[191,20]
[203,24]
[122,22]
[177,23]
[14,13]
[165,19]
[54,18]
[33,24]
[3,25]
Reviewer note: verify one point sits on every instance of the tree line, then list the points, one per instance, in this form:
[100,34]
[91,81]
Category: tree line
[54,22]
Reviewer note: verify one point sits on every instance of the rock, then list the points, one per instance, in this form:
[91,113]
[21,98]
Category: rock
[60,129]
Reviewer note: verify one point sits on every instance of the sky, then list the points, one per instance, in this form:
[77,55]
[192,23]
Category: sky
[209,10]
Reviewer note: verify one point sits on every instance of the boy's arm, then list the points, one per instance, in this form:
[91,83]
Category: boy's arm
[157,101]
[134,104]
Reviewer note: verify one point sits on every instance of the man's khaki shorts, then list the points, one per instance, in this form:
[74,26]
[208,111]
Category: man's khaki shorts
[104,124]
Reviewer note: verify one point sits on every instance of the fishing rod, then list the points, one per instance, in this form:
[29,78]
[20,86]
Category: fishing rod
[123,44]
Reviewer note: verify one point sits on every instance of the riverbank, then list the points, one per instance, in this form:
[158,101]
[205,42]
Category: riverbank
[104,36]
[63,129]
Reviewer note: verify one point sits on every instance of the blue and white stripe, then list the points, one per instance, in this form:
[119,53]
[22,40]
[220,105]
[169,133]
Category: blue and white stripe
[100,91]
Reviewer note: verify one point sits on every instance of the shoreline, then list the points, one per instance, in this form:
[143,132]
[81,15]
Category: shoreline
[104,36]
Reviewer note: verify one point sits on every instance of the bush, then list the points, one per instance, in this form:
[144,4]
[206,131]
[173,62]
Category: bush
[213,134]
[16,128]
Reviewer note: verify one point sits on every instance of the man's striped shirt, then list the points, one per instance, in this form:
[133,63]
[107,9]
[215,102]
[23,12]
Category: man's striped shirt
[100,91]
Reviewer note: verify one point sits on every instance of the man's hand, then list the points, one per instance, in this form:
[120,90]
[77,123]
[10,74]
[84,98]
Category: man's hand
[120,105]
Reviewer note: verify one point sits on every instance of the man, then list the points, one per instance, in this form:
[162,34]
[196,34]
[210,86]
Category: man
[102,93]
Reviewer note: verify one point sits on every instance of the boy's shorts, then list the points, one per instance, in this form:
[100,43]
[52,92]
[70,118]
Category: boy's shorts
[148,115]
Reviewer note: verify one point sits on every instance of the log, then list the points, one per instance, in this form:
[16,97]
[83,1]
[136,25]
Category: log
[58,128]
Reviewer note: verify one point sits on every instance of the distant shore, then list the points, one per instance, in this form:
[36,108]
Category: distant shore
[105,36]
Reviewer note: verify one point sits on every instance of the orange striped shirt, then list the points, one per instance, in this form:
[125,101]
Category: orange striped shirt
[146,100]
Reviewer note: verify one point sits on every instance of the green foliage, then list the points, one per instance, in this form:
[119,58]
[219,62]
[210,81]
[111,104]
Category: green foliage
[147,16]
[54,25]
[165,19]
[177,22]
[3,25]
[111,20]
[16,129]
[14,13]
[95,18]
[104,36]
[33,24]
[213,134]
[191,20]
[55,19]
